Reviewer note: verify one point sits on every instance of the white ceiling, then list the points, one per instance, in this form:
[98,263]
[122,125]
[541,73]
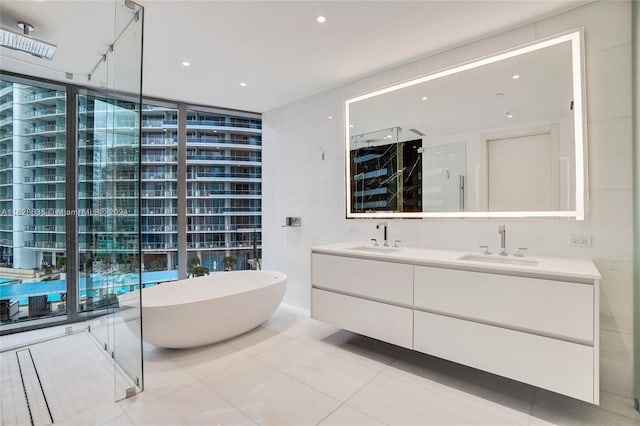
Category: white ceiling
[276,47]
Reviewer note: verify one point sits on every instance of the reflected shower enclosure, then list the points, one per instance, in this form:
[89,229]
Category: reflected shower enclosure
[386,174]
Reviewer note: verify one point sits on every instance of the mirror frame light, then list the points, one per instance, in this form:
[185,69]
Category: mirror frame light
[575,37]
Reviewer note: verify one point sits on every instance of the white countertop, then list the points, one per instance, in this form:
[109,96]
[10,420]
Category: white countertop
[548,267]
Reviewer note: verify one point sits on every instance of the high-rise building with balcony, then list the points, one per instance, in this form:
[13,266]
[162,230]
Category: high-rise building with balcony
[32,171]
[223,187]
[158,186]
[219,211]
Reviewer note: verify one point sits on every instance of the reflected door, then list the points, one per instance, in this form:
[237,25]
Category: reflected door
[521,173]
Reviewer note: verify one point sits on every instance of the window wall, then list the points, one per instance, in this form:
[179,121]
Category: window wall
[33,190]
[219,212]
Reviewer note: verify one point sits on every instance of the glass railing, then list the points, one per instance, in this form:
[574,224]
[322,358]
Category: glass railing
[245,125]
[159,176]
[159,246]
[45,244]
[158,228]
[45,145]
[45,162]
[222,158]
[44,228]
[220,244]
[159,141]
[40,195]
[159,210]
[200,175]
[159,193]
[203,193]
[46,178]
[44,129]
[115,194]
[41,96]
[159,158]
[43,112]
[211,139]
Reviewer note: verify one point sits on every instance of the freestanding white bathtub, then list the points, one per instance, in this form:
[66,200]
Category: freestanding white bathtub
[204,310]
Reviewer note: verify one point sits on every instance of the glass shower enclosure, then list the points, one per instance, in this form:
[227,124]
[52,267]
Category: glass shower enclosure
[108,134]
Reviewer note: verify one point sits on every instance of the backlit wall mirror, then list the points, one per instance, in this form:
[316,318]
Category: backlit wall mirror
[502,136]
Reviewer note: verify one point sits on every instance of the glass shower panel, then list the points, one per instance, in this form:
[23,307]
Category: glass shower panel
[445,177]
[109,171]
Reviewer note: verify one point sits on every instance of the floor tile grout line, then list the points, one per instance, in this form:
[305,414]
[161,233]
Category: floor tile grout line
[276,370]
[351,396]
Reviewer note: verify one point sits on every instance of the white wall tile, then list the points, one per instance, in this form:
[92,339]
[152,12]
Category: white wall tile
[608,83]
[616,296]
[596,18]
[609,138]
[616,363]
[297,182]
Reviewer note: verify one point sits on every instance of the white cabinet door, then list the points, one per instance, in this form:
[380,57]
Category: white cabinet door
[553,308]
[384,281]
[384,322]
[563,367]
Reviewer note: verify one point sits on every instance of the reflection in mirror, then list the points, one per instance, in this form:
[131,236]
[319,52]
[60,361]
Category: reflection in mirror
[386,174]
[501,136]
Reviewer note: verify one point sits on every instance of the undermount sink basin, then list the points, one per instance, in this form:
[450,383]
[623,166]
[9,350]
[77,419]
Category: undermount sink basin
[505,260]
[375,249]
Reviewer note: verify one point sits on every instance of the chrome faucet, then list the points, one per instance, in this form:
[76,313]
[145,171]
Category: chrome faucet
[384,232]
[502,230]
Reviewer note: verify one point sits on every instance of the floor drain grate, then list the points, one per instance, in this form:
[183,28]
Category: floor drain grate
[39,411]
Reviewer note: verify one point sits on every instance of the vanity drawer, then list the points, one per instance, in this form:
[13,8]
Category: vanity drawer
[384,322]
[385,281]
[553,308]
[557,365]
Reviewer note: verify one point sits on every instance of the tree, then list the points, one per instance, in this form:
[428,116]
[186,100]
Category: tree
[195,269]
[229,262]
[61,263]
[159,264]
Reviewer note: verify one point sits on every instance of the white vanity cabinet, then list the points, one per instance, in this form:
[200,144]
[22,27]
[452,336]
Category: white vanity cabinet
[364,296]
[534,330]
[535,325]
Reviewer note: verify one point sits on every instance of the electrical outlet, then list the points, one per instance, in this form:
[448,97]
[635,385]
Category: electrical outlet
[580,240]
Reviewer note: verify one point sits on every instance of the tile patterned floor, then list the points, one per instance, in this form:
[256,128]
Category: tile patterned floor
[293,370]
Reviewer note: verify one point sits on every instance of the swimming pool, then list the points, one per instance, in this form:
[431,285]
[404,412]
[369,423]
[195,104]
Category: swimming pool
[8,280]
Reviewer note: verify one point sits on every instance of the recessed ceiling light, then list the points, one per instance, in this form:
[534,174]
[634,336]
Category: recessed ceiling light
[351,125]
[243,84]
[186,63]
[321,19]
[515,76]
[330,117]
[509,115]
[424,98]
